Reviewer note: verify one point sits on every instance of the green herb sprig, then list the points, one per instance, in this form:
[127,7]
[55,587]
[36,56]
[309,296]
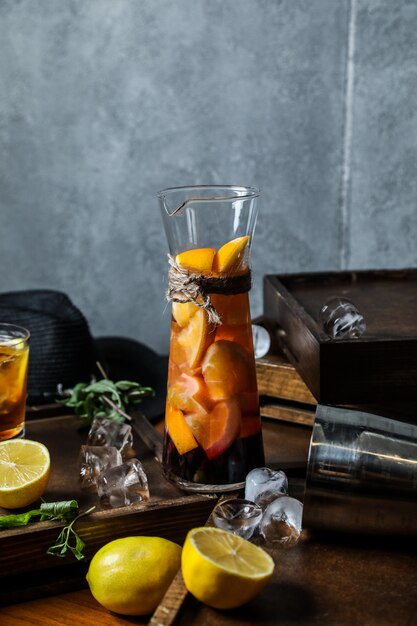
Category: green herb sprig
[64,511]
[69,540]
[103,397]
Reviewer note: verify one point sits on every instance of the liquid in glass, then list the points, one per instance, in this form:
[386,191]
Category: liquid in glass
[14,354]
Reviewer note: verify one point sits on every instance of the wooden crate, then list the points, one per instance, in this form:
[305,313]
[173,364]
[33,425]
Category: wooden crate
[377,369]
[283,395]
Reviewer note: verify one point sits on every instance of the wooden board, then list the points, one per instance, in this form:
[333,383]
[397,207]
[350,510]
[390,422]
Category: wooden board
[286,447]
[323,581]
[380,366]
[169,513]
[278,378]
[292,414]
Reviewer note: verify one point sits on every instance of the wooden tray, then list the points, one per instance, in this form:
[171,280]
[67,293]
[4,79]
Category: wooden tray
[26,571]
[379,367]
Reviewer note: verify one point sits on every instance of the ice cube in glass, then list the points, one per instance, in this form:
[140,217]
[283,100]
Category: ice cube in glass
[281,521]
[123,485]
[95,459]
[238,516]
[263,485]
[105,432]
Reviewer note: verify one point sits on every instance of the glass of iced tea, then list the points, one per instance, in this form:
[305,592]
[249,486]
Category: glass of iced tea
[212,423]
[14,356]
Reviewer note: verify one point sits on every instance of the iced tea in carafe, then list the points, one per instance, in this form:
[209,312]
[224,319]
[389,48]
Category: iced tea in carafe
[212,424]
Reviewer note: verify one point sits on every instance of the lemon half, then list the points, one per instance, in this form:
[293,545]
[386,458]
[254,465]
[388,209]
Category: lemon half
[223,570]
[24,472]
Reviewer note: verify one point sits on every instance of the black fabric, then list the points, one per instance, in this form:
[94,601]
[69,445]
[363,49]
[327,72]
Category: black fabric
[63,351]
[61,346]
[126,359]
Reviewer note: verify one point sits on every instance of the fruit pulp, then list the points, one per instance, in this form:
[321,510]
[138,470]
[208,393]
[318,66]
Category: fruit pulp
[213,426]
[13,382]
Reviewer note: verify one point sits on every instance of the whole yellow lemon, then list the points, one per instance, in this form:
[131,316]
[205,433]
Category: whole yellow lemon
[131,575]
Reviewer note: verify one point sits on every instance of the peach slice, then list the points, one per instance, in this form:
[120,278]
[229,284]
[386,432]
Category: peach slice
[231,257]
[195,338]
[225,369]
[189,394]
[179,431]
[216,431]
[182,312]
[197,260]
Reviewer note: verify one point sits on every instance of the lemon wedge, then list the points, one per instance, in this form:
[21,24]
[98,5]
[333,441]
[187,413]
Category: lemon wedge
[24,472]
[223,570]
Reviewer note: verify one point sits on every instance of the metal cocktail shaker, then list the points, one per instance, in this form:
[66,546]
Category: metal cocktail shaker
[361,474]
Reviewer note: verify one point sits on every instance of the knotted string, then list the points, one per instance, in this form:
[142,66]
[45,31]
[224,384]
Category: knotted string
[184,286]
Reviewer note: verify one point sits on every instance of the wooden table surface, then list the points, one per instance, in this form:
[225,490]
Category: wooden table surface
[326,581]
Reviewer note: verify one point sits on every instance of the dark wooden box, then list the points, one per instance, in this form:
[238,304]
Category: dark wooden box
[377,368]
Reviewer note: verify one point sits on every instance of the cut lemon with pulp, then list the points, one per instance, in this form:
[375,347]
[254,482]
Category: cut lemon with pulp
[222,569]
[24,472]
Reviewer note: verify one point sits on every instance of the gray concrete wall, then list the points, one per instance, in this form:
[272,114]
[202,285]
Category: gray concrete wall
[104,102]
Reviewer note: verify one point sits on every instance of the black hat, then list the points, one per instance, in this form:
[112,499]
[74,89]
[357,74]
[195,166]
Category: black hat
[63,351]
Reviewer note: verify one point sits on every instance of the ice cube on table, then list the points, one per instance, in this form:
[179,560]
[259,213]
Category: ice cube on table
[340,319]
[263,485]
[282,521]
[239,516]
[95,459]
[123,485]
[105,432]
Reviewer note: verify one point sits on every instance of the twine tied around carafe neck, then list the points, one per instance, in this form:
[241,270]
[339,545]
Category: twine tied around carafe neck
[185,286]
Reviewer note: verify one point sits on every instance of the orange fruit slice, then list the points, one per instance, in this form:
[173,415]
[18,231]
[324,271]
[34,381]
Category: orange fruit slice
[231,257]
[197,260]
[225,369]
[195,338]
[24,472]
[179,431]
[217,430]
[222,569]
[189,394]
[182,312]
[177,353]
[239,334]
